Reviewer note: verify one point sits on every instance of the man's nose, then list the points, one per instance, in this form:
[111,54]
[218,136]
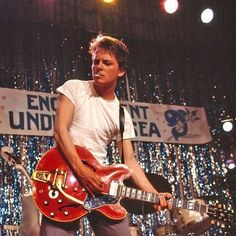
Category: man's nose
[99,64]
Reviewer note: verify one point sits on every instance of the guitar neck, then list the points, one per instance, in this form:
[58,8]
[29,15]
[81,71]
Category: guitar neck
[191,205]
[132,193]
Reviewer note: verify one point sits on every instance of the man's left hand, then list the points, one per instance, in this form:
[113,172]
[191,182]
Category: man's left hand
[163,203]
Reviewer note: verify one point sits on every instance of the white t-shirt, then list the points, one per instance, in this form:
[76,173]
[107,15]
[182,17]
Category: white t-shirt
[96,121]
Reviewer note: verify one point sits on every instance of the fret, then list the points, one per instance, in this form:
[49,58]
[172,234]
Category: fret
[122,191]
[119,191]
[139,194]
[133,193]
[203,209]
[190,205]
[144,196]
[153,197]
[197,207]
[128,190]
[149,197]
[125,190]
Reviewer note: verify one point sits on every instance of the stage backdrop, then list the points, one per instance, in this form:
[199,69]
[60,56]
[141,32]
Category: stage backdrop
[32,113]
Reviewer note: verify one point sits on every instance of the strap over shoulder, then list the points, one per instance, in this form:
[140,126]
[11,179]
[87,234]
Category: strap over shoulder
[122,127]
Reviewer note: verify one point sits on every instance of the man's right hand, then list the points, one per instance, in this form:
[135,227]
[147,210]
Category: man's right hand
[90,180]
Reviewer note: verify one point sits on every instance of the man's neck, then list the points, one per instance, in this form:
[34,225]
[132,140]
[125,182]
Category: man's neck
[107,93]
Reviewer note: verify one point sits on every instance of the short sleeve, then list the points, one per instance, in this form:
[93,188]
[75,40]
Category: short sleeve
[129,132]
[69,89]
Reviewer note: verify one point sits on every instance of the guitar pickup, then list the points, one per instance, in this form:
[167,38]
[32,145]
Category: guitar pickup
[114,188]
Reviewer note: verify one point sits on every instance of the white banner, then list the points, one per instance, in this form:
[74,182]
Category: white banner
[27,112]
[169,123]
[33,113]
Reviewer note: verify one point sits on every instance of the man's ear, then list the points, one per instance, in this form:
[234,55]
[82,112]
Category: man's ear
[121,72]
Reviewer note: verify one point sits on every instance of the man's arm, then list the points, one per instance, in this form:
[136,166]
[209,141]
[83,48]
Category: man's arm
[64,116]
[139,178]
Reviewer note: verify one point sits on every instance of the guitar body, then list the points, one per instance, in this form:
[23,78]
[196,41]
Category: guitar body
[60,196]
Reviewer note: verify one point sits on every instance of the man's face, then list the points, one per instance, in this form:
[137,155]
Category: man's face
[105,68]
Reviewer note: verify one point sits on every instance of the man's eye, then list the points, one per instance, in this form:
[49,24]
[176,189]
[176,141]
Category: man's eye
[107,63]
[95,62]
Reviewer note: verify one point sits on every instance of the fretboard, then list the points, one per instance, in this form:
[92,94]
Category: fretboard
[132,193]
[137,194]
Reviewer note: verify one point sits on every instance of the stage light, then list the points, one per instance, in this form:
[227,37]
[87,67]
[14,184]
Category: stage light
[108,1]
[230,164]
[227,125]
[207,15]
[171,6]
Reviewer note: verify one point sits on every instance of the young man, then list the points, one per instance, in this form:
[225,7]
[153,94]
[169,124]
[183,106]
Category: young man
[88,116]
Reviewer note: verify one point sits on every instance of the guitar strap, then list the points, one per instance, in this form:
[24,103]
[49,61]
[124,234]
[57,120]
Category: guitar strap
[122,127]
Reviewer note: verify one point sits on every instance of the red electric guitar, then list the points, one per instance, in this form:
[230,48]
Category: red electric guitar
[61,197]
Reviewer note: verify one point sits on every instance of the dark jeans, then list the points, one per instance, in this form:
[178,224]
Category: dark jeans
[105,227]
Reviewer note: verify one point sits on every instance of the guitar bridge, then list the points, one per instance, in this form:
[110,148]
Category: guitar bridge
[58,176]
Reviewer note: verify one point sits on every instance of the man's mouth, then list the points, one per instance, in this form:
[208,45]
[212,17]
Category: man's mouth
[97,75]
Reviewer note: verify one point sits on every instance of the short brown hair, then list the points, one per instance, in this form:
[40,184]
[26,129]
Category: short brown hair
[113,45]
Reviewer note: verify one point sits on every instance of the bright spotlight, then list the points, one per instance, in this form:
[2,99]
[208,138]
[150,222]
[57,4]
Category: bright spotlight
[171,6]
[230,164]
[227,126]
[207,15]
[108,1]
